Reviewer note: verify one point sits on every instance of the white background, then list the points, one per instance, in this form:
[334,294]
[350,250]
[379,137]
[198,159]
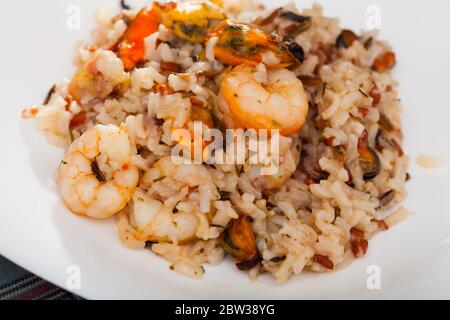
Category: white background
[39,234]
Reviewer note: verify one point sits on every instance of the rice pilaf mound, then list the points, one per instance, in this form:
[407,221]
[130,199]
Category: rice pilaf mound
[232,64]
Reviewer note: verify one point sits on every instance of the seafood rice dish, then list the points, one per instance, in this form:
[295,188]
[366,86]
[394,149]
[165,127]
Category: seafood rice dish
[150,78]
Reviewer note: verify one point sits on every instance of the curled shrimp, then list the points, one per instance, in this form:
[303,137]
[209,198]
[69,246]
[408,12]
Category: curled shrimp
[164,210]
[158,223]
[191,20]
[279,103]
[172,219]
[96,177]
[239,43]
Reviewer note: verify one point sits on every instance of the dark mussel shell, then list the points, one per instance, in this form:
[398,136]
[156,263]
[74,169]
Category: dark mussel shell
[368,159]
[292,16]
[249,264]
[312,169]
[238,239]
[296,51]
[346,39]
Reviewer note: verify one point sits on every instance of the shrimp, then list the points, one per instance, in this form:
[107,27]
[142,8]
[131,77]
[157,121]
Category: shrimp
[288,163]
[166,210]
[280,103]
[239,43]
[191,20]
[96,177]
[158,223]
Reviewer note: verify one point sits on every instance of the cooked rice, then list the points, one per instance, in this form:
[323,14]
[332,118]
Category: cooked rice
[429,162]
[304,223]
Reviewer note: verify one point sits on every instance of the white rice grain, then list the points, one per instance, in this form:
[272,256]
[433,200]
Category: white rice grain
[397,216]
[209,50]
[429,162]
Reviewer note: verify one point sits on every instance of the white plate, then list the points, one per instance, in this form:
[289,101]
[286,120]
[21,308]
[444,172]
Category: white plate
[38,233]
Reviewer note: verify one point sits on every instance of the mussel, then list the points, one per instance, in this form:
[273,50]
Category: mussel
[368,159]
[311,168]
[292,16]
[239,241]
[191,21]
[346,39]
